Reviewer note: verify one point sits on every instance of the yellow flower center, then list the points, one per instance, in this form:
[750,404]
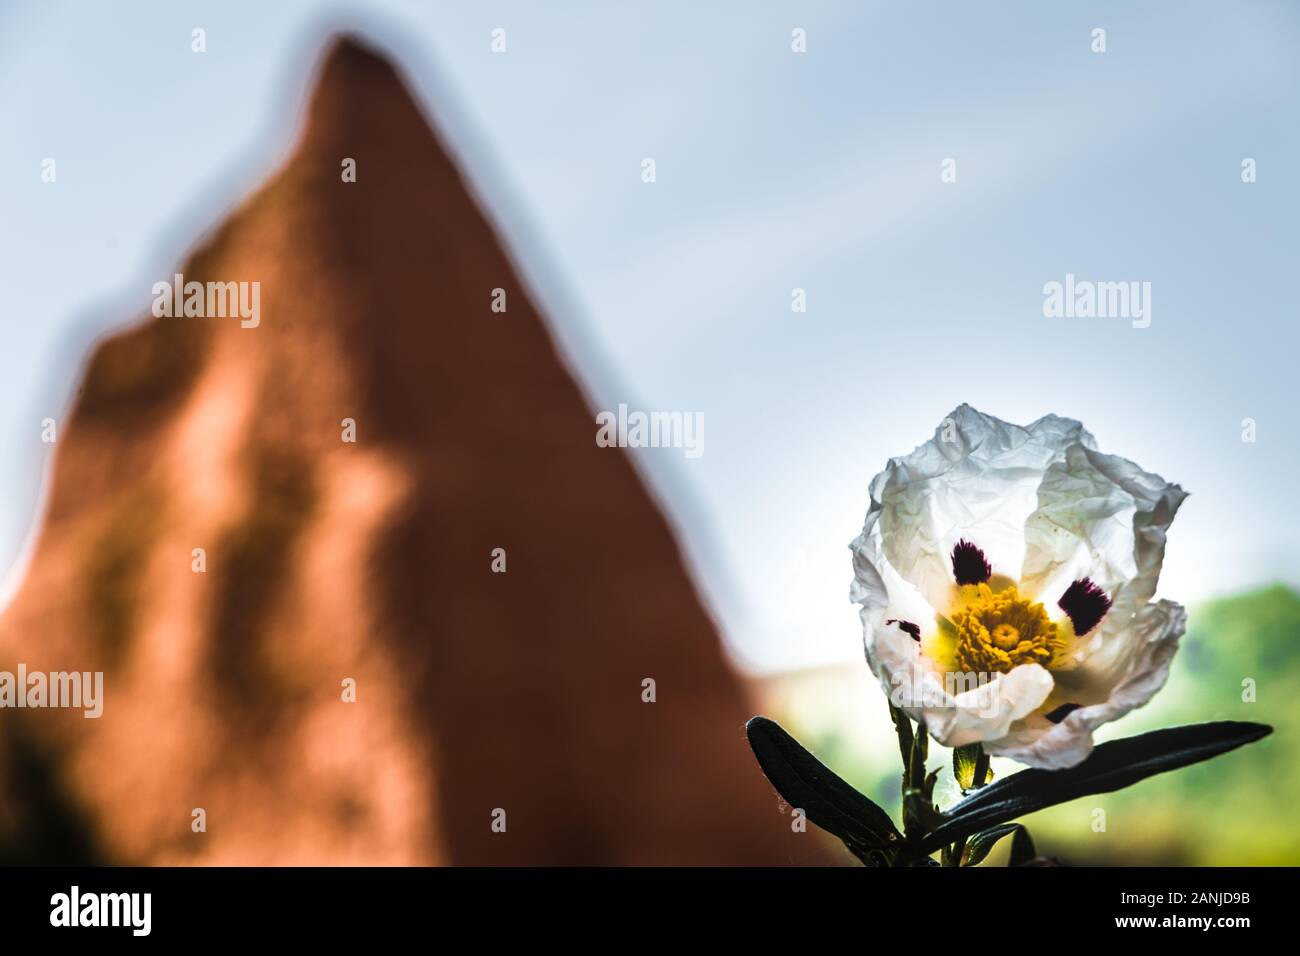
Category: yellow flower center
[999,631]
[1006,636]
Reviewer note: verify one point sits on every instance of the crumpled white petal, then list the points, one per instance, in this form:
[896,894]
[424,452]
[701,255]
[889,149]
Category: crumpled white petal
[1143,671]
[1047,508]
[1099,516]
[955,715]
[978,479]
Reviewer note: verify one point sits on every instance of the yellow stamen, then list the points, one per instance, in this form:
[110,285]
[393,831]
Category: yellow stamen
[997,632]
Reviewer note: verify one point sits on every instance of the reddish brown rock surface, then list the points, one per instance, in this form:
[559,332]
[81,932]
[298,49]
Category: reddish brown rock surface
[328,560]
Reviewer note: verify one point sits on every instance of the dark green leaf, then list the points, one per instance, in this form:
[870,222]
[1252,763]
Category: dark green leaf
[804,782]
[956,852]
[915,773]
[930,780]
[915,818]
[981,843]
[1111,766]
[1022,846]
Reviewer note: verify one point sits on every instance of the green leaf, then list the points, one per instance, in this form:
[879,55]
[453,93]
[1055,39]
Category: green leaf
[967,764]
[920,815]
[806,783]
[956,852]
[1111,766]
[1022,846]
[963,764]
[915,772]
[930,780]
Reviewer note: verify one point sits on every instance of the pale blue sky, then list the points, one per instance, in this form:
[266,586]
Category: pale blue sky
[775,170]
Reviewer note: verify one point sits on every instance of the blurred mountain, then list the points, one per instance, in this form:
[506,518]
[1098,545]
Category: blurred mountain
[476,692]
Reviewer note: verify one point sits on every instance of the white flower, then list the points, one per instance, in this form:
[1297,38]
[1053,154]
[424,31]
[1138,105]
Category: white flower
[1006,577]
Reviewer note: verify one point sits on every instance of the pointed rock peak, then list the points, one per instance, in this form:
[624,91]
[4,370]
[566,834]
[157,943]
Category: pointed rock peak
[356,89]
[348,53]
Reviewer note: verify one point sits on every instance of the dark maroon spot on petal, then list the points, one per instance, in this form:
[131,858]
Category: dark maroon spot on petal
[1085,604]
[1065,710]
[969,566]
[908,626]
